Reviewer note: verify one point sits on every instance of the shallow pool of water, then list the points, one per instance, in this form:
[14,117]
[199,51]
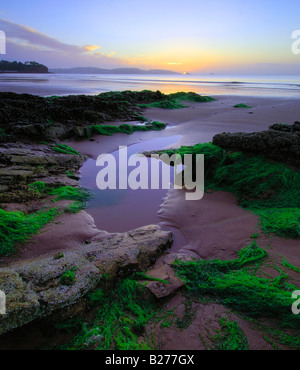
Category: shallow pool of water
[116,210]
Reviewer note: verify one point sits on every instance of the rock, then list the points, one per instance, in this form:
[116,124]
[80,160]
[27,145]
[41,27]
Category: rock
[280,143]
[34,118]
[163,289]
[33,288]
[163,270]
[22,164]
[286,128]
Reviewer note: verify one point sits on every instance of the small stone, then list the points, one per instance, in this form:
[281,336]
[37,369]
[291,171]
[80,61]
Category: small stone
[58,255]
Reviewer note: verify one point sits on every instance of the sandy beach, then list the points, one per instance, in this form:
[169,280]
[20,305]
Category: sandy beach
[213,227]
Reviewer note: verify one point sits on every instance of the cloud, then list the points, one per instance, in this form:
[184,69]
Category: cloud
[91,47]
[18,33]
[25,43]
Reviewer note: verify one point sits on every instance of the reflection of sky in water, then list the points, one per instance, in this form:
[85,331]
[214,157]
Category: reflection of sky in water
[113,197]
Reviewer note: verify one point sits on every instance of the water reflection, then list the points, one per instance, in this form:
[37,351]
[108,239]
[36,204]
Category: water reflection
[123,210]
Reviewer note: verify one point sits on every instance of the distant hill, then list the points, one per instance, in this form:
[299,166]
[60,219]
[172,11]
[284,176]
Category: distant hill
[94,70]
[18,67]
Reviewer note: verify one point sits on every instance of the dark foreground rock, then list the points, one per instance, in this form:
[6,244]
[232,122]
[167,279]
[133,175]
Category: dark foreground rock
[34,118]
[34,288]
[280,142]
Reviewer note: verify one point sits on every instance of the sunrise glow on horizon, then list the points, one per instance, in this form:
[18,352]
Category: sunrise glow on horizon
[193,36]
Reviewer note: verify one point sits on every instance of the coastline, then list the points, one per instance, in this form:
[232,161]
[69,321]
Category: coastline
[197,123]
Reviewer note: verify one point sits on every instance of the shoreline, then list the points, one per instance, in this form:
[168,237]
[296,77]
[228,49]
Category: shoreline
[213,85]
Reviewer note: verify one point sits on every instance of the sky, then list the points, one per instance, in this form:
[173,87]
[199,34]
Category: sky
[193,36]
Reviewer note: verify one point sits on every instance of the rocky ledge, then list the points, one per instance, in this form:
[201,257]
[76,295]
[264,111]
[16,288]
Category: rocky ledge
[34,118]
[281,142]
[37,288]
[22,164]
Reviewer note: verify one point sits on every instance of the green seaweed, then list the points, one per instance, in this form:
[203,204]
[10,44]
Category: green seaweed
[292,341]
[174,101]
[285,263]
[164,104]
[67,278]
[70,193]
[144,276]
[192,97]
[165,324]
[230,336]
[231,283]
[17,227]
[65,149]
[142,119]
[76,207]
[242,106]
[188,315]
[125,128]
[79,195]
[38,186]
[156,125]
[121,318]
[284,222]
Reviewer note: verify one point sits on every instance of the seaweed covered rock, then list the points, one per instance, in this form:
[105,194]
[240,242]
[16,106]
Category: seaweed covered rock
[30,117]
[37,288]
[286,128]
[280,142]
[22,164]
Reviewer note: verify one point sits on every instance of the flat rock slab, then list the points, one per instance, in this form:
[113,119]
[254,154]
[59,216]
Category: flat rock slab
[167,282]
[33,288]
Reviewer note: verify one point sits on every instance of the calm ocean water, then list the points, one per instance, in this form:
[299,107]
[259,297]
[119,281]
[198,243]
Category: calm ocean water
[66,84]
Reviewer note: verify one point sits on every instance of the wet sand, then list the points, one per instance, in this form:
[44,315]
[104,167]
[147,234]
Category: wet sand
[214,227]
[200,122]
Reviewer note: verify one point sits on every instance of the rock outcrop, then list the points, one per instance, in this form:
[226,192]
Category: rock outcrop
[34,118]
[281,142]
[22,164]
[35,288]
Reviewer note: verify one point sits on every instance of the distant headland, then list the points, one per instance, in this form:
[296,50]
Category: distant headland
[34,67]
[18,67]
[94,70]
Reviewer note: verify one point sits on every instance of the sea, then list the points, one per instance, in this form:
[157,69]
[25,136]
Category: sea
[281,86]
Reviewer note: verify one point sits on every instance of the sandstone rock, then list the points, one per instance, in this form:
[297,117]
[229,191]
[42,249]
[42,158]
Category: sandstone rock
[281,144]
[163,289]
[22,164]
[164,271]
[33,288]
